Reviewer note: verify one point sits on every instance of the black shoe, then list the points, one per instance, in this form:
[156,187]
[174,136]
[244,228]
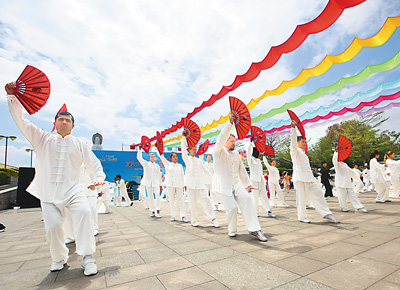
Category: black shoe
[2,228]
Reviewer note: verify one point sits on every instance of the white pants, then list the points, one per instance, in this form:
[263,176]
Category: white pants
[124,194]
[274,187]
[242,198]
[396,187]
[178,193]
[67,225]
[199,195]
[54,214]
[382,188]
[367,183]
[117,198]
[213,195]
[260,193]
[154,204]
[310,191]
[106,199]
[343,193]
[93,210]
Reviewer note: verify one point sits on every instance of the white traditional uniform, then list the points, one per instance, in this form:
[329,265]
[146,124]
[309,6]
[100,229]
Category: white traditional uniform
[104,190]
[305,184]
[357,183]
[208,181]
[86,179]
[230,180]
[257,181]
[394,170]
[152,181]
[56,183]
[122,191]
[195,175]
[273,183]
[344,186]
[378,178]
[174,178]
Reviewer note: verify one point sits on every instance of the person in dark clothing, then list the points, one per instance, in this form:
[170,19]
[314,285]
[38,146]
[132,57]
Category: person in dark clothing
[325,176]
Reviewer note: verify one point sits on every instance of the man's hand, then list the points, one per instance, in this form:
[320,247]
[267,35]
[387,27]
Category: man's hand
[293,124]
[9,88]
[232,118]
[92,187]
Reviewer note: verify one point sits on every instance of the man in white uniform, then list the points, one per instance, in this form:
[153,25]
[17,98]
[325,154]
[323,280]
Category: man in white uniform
[258,181]
[152,181]
[305,184]
[367,179]
[273,182]
[195,175]
[232,184]
[344,186]
[357,183]
[103,190]
[56,183]
[210,167]
[121,189]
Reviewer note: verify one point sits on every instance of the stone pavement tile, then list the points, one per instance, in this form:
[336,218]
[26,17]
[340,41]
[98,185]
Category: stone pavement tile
[36,263]
[335,253]
[25,245]
[294,247]
[151,283]
[184,278]
[143,243]
[225,240]
[212,285]
[26,279]
[179,237]
[8,268]
[24,257]
[388,252]
[92,282]
[6,254]
[211,255]
[325,239]
[279,229]
[244,272]
[314,229]
[387,229]
[353,273]
[303,283]
[394,278]
[370,239]
[157,253]
[284,238]
[247,247]
[129,274]
[116,243]
[189,247]
[384,285]
[300,265]
[271,254]
[387,220]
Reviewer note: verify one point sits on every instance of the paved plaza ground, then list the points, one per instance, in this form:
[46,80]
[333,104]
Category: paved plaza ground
[135,251]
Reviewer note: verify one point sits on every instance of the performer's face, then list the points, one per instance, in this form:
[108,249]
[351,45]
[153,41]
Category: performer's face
[302,144]
[192,151]
[174,158]
[208,158]
[152,157]
[273,163]
[230,144]
[64,125]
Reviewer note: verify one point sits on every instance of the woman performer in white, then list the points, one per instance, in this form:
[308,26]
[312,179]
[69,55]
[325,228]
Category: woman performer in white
[273,182]
[305,184]
[174,177]
[56,183]
[122,191]
[344,186]
[103,190]
[358,185]
[394,170]
[152,181]
[367,179]
[378,177]
[196,188]
[210,167]
[258,181]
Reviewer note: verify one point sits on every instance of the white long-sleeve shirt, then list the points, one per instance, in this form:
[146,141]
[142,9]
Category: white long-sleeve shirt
[393,168]
[58,159]
[273,176]
[256,168]
[301,163]
[196,172]
[377,171]
[344,173]
[229,171]
[174,175]
[151,172]
[121,187]
[210,168]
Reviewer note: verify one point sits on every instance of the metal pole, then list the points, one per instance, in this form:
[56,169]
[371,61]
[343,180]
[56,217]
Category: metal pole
[5,157]
[31,157]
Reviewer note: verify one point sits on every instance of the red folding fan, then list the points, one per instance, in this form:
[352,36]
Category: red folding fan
[145,144]
[62,109]
[159,143]
[32,89]
[299,125]
[258,137]
[191,131]
[344,148]
[203,148]
[269,151]
[242,117]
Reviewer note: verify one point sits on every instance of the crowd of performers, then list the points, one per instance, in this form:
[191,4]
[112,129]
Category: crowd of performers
[71,186]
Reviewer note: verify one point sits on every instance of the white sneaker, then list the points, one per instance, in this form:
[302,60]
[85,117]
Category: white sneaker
[185,220]
[331,218]
[57,266]
[344,210]
[152,214]
[271,214]
[196,224]
[305,220]
[95,232]
[215,223]
[172,219]
[158,215]
[89,264]
[69,241]
[362,210]
[232,234]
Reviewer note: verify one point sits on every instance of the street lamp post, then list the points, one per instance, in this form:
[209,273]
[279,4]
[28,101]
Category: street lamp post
[30,150]
[5,155]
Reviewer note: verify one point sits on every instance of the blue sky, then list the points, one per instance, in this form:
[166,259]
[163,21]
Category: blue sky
[131,68]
